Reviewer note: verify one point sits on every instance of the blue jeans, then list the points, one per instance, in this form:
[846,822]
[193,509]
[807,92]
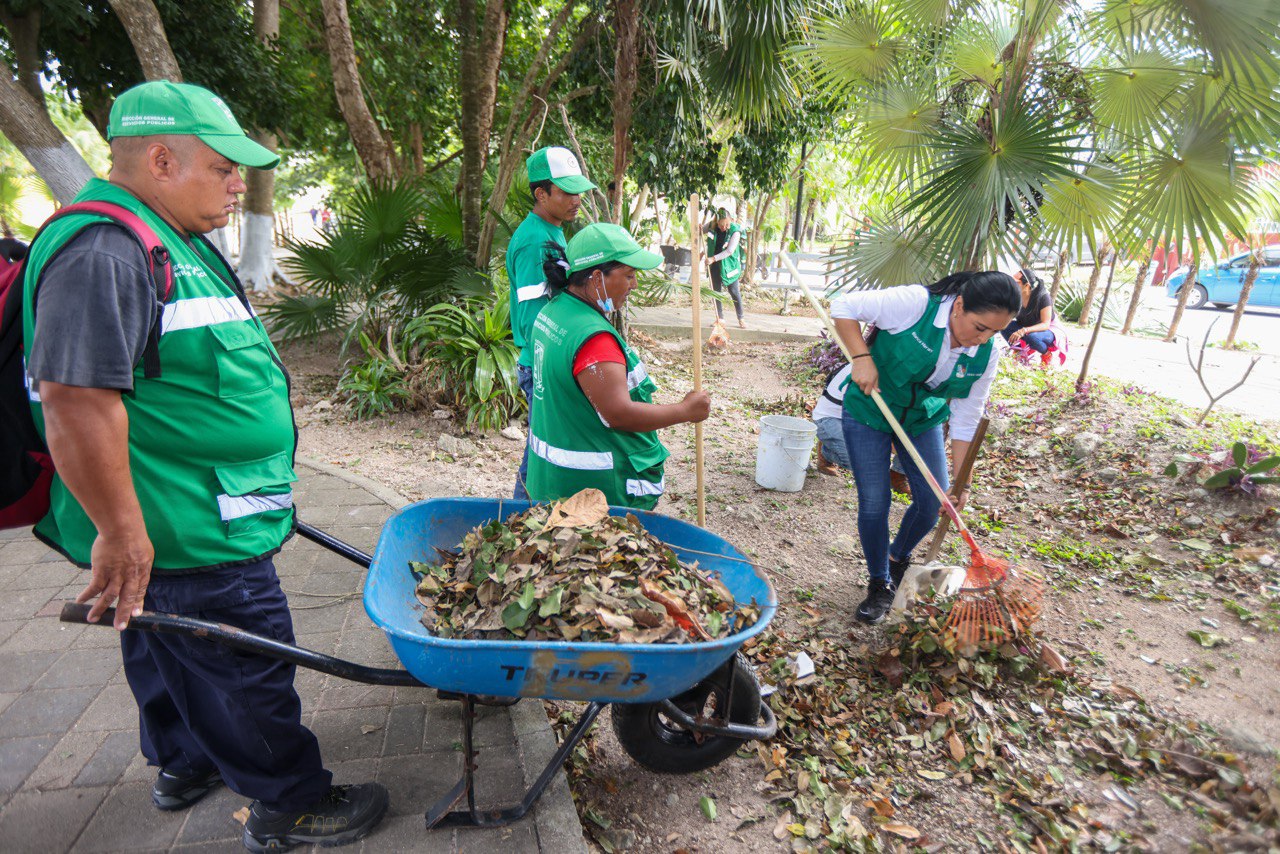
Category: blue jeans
[524,376]
[202,705]
[831,435]
[869,451]
[1038,341]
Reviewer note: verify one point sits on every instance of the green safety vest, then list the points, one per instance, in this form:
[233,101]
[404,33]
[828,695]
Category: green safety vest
[905,361]
[212,439]
[570,446]
[731,266]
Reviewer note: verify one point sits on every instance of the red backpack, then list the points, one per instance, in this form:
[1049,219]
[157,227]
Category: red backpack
[26,469]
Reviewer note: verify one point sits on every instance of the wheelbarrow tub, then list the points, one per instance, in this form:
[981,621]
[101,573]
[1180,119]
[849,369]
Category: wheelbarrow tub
[562,670]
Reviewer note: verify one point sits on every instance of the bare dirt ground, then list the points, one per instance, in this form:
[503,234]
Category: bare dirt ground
[1136,561]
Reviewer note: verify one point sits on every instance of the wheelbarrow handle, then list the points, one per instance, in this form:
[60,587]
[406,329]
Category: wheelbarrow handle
[333,544]
[230,636]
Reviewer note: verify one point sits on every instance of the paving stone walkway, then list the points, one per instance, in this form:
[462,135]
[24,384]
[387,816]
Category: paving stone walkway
[71,775]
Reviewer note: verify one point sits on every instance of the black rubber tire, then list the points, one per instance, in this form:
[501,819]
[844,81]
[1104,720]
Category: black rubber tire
[1198,297]
[662,746]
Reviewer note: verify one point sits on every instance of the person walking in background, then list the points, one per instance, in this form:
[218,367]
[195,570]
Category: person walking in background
[173,439]
[557,184]
[933,360]
[724,254]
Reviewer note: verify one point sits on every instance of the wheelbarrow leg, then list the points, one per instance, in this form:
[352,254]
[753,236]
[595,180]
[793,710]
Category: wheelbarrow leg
[440,815]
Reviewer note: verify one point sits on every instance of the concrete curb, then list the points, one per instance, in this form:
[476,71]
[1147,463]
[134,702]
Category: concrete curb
[555,816]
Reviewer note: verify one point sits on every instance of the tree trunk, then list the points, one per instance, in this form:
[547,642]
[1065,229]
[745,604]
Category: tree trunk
[626,25]
[1255,261]
[24,39]
[1058,272]
[257,267]
[415,149]
[1097,327]
[24,122]
[806,231]
[146,31]
[482,35]
[520,123]
[1086,306]
[753,239]
[372,149]
[642,202]
[1139,282]
[1183,293]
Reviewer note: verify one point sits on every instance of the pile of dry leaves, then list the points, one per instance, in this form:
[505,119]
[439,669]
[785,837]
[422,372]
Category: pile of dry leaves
[570,571]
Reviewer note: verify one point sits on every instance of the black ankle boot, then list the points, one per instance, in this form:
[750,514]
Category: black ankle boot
[897,569]
[878,602]
[345,814]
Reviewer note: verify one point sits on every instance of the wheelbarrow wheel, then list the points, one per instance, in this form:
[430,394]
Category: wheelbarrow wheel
[660,744]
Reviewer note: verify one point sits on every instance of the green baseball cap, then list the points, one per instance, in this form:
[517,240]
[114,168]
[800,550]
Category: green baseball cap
[560,167]
[603,242]
[161,107]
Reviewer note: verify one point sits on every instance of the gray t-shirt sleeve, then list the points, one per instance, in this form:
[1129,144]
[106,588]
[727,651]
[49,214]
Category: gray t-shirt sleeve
[94,308]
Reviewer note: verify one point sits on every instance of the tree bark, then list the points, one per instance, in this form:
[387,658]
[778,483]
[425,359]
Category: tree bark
[372,149]
[1139,282]
[24,122]
[1086,306]
[479,58]
[1059,271]
[24,39]
[415,149]
[146,31]
[1097,327]
[1255,261]
[626,25]
[753,239]
[806,231]
[1183,293]
[520,122]
[257,267]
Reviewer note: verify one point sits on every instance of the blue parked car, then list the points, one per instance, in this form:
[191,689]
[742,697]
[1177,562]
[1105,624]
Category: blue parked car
[1220,285]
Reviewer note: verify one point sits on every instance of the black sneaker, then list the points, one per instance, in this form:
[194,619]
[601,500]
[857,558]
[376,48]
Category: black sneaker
[345,814]
[878,602]
[174,792]
[897,569]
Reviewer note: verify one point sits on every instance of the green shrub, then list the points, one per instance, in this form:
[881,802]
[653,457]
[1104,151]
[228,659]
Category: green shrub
[469,358]
[1070,301]
[374,386]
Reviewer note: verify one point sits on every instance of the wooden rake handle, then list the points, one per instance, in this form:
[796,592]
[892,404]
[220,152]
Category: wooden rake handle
[963,476]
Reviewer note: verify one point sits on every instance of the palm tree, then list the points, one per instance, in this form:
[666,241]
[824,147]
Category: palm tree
[998,129]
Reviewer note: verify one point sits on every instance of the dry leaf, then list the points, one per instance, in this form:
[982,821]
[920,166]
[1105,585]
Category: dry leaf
[585,508]
[956,747]
[906,831]
[241,815]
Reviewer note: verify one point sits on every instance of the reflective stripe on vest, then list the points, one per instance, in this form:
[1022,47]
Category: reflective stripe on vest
[646,487]
[529,292]
[636,376]
[202,311]
[580,460]
[239,506]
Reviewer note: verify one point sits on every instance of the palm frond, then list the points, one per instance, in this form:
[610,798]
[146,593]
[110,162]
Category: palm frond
[1078,208]
[975,53]
[885,256]
[1136,92]
[1241,36]
[303,316]
[850,49]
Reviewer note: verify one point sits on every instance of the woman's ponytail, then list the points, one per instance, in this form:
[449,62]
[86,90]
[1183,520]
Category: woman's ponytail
[555,268]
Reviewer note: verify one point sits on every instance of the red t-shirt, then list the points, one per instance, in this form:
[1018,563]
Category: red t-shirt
[601,347]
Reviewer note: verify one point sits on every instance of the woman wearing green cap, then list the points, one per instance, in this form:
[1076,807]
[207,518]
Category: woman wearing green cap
[592,421]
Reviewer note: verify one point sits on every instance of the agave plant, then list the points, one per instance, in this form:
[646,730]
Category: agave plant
[384,263]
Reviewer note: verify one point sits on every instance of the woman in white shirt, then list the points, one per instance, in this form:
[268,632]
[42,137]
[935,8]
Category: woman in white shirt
[932,359]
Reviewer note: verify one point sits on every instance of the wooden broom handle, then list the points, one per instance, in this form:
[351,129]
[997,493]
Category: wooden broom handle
[695,285]
[963,476]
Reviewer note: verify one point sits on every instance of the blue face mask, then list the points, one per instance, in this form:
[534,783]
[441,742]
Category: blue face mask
[605,305]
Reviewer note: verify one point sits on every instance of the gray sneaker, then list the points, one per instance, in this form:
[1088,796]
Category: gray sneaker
[345,814]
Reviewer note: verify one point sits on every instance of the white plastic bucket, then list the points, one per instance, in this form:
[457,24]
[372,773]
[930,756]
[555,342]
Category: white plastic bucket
[782,456]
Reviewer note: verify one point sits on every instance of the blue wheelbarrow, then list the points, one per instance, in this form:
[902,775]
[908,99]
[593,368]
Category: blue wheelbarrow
[676,708]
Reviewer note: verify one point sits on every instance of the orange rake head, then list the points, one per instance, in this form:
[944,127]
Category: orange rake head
[1005,604]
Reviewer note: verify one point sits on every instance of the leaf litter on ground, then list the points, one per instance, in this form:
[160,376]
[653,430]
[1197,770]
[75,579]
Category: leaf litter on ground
[569,571]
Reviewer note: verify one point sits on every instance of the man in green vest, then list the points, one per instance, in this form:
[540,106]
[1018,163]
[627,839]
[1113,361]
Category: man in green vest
[174,487]
[557,184]
[724,254]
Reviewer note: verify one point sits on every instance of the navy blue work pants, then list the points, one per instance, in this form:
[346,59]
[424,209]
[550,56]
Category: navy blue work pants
[524,377]
[202,705]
